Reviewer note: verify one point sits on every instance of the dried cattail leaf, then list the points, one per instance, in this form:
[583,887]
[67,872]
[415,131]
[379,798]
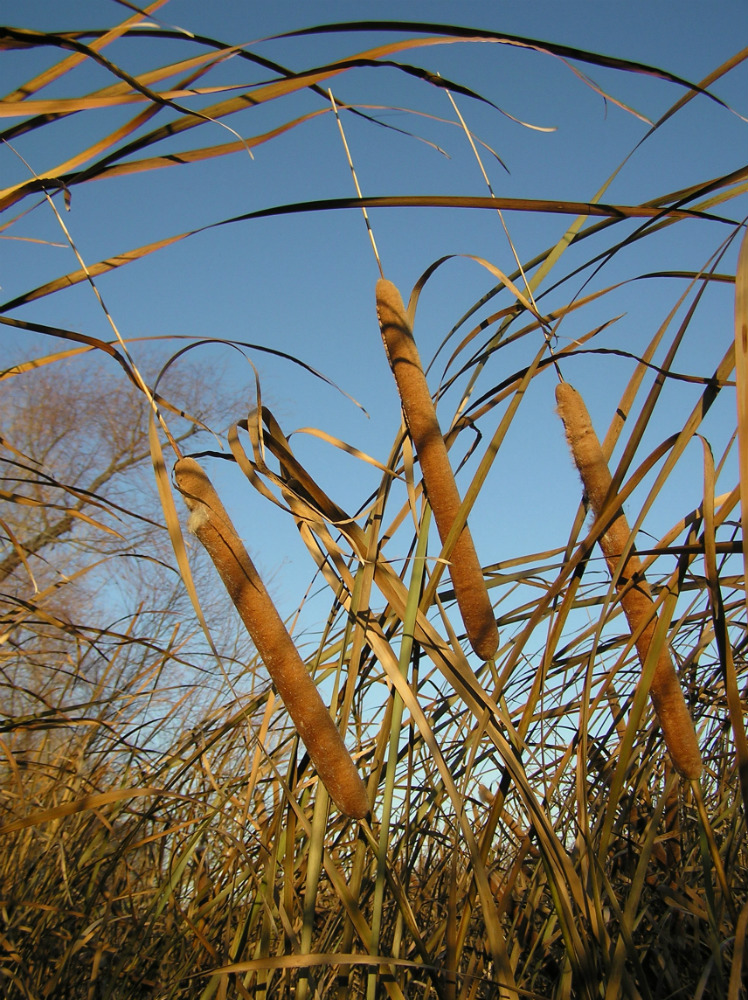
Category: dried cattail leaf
[212,526]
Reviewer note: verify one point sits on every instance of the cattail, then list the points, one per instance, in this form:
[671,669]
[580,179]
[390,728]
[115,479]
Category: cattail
[666,693]
[210,523]
[441,489]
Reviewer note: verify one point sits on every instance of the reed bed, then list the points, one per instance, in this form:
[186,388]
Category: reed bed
[522,822]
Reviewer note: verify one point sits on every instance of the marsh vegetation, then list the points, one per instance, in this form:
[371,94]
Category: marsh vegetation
[537,827]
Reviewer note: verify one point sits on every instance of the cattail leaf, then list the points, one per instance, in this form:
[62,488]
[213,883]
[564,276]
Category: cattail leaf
[174,528]
[737,975]
[88,802]
[451,33]
[59,69]
[741,386]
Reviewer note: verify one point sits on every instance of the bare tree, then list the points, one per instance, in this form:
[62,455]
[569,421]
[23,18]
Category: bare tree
[90,600]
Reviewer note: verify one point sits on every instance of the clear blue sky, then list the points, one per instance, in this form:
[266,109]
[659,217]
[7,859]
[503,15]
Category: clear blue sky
[305,283]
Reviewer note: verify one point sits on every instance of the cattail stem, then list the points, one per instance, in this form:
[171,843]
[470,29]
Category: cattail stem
[210,523]
[636,598]
[441,489]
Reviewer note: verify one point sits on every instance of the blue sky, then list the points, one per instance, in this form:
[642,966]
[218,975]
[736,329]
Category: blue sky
[304,284]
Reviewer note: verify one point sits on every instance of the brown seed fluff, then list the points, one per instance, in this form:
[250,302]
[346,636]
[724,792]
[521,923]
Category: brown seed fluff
[212,526]
[666,693]
[441,489]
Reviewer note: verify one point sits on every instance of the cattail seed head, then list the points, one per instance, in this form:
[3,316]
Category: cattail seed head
[636,598]
[420,415]
[210,523]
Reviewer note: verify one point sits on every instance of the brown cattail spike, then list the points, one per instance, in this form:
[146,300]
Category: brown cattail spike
[212,526]
[638,605]
[441,489]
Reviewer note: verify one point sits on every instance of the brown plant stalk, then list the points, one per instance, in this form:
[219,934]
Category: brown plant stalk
[636,599]
[441,489]
[210,523]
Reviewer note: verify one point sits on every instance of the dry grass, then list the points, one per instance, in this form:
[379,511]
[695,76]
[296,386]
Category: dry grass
[164,831]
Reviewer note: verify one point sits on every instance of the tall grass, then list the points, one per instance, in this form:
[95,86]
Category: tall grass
[164,832]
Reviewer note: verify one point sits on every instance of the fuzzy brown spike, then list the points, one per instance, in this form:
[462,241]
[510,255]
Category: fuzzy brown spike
[638,605]
[441,489]
[212,526]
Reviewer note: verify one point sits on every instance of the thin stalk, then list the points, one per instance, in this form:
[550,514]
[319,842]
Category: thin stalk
[406,652]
